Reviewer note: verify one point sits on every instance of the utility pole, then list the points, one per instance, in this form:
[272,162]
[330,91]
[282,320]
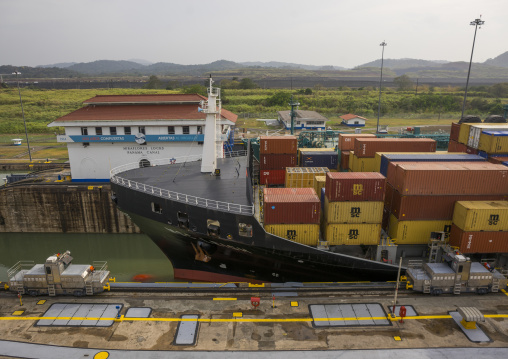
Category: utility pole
[475,23]
[383,44]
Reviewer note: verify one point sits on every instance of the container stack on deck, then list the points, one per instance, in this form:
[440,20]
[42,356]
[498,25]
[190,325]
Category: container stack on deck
[421,195]
[353,208]
[480,227]
[363,158]
[292,213]
[275,154]
[346,144]
[489,140]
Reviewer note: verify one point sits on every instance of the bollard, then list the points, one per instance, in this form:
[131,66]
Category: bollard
[402,313]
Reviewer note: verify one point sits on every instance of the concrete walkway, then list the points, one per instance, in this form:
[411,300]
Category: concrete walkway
[24,350]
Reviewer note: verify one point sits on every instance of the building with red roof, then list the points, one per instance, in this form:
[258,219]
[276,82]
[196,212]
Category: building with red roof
[353,120]
[112,130]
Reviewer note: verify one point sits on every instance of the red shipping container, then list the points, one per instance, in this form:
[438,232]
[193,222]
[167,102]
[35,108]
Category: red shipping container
[344,160]
[389,193]
[390,173]
[272,177]
[414,208]
[355,186]
[471,150]
[454,131]
[414,178]
[497,160]
[276,162]
[347,140]
[291,206]
[454,146]
[479,242]
[367,147]
[278,145]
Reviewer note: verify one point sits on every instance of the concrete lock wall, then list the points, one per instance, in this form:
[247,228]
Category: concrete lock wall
[61,209]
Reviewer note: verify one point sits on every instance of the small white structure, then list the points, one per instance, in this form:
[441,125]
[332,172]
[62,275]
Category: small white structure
[310,120]
[16,141]
[353,120]
[113,130]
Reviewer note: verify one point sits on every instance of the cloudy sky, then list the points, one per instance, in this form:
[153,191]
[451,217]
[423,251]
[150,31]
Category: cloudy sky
[320,32]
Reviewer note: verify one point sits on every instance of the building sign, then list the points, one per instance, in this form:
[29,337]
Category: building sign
[132,138]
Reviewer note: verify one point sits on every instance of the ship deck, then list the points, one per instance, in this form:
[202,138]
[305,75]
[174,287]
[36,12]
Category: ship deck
[186,178]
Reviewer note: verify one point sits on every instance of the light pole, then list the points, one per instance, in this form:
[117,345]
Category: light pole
[380,84]
[475,23]
[23,114]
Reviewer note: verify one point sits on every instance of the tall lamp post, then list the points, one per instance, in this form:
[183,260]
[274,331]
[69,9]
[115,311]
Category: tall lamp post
[380,84]
[475,23]
[23,114]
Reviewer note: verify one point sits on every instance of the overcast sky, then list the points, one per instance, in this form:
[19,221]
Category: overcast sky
[319,32]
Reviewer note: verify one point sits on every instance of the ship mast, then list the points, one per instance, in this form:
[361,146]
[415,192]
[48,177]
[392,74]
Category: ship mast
[212,136]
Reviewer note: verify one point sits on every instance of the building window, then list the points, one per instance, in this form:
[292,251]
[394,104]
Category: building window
[127,130]
[186,130]
[142,130]
[200,130]
[112,131]
[98,131]
[171,130]
[144,163]
[84,131]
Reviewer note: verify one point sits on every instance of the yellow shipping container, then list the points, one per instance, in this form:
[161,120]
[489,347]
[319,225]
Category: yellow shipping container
[362,164]
[352,234]
[350,162]
[319,183]
[416,232]
[302,233]
[464,132]
[353,212]
[303,177]
[472,216]
[493,144]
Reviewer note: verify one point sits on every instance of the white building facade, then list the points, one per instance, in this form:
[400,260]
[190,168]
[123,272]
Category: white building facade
[110,131]
[304,120]
[353,120]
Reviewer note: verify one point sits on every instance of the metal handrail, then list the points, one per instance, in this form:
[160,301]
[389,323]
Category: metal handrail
[175,196]
[19,266]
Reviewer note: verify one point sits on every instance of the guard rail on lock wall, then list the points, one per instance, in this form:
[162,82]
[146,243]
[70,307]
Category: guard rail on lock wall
[175,196]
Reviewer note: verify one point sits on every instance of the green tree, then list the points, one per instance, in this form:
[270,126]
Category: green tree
[247,83]
[153,83]
[279,98]
[197,88]
[404,83]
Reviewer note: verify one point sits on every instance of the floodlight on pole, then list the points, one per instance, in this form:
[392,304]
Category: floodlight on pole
[475,23]
[383,44]
[23,114]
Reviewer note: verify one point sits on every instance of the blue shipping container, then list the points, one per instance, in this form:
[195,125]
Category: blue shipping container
[327,159]
[408,157]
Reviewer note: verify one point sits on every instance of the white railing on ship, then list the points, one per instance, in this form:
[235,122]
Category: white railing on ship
[175,196]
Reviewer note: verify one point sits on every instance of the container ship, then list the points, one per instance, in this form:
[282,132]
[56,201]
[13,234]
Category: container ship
[342,215]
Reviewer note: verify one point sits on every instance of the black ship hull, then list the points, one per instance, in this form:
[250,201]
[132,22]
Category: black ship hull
[198,255]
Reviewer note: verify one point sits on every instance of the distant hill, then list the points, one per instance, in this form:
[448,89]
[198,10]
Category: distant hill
[37,72]
[101,67]
[396,64]
[61,65]
[501,60]
[277,64]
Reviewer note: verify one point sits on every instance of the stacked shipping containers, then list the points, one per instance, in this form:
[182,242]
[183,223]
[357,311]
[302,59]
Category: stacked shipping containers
[485,139]
[363,158]
[324,158]
[292,213]
[353,208]
[275,154]
[345,145]
[480,227]
[421,195]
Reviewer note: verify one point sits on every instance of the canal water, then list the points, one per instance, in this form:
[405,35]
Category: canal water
[130,257]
